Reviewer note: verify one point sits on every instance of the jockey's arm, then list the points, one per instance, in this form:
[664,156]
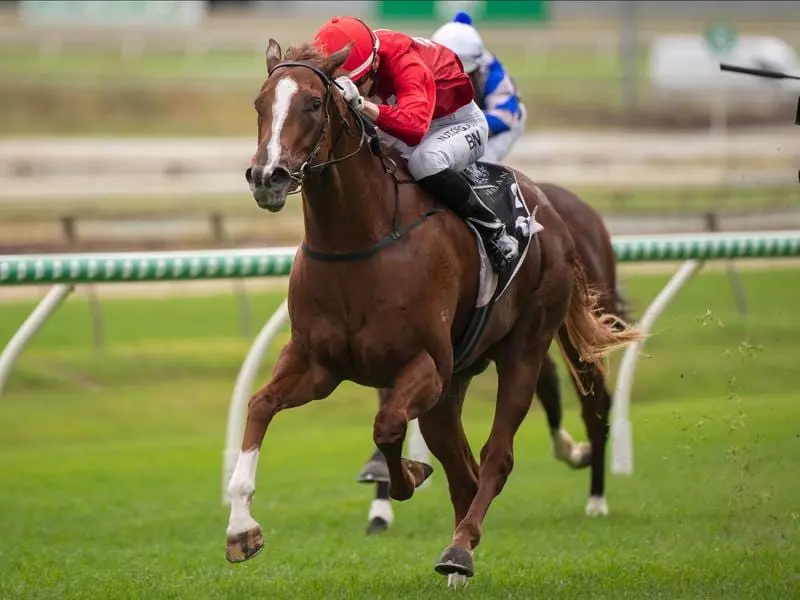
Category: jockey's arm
[370,110]
[501,103]
[415,100]
[500,119]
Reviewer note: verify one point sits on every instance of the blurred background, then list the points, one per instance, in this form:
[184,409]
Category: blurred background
[128,124]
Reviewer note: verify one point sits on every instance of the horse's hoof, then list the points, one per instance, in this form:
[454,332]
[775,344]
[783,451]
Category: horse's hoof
[455,561]
[581,456]
[457,580]
[420,471]
[596,506]
[244,545]
[377,525]
[375,471]
[576,455]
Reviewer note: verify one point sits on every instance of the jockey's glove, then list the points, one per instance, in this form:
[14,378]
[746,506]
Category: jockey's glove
[350,92]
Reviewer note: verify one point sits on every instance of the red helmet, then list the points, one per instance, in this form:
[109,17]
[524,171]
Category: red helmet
[340,31]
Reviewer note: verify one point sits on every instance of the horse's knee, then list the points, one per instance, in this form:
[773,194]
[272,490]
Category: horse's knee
[390,427]
[261,406]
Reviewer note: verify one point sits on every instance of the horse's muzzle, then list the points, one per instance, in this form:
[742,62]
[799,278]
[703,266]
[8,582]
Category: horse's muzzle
[268,177]
[269,186]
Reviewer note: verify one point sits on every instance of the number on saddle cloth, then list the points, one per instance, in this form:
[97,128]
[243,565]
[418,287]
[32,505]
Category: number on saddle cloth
[496,186]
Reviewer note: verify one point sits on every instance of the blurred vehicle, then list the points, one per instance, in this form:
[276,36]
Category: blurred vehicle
[683,67]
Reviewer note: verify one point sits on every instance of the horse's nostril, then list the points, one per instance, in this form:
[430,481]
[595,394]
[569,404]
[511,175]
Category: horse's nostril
[248,175]
[280,176]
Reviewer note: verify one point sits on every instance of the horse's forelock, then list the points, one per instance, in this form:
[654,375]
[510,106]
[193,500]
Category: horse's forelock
[306,52]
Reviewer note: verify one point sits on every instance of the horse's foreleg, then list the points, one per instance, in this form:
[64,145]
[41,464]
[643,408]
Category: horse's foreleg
[443,432]
[415,391]
[518,371]
[380,515]
[295,381]
[374,471]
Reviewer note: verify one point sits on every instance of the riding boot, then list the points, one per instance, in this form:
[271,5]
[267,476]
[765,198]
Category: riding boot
[453,188]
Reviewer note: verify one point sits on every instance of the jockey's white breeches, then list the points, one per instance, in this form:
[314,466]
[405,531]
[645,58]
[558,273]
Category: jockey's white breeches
[452,142]
[500,145]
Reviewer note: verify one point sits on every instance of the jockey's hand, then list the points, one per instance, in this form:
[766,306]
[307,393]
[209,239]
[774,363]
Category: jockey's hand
[350,92]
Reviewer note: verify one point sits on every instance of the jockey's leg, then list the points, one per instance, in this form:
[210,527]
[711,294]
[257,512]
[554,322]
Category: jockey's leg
[453,188]
[452,144]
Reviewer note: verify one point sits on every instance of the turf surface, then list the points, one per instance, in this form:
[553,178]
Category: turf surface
[110,466]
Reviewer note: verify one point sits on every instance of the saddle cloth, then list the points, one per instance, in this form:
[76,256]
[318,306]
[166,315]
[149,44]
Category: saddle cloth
[497,188]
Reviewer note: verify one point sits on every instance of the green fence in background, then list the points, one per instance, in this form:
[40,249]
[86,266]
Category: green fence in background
[522,12]
[110,13]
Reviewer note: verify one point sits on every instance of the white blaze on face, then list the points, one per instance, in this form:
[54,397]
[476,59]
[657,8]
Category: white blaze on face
[284,92]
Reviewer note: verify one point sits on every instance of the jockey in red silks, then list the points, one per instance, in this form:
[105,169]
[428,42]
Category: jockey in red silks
[423,105]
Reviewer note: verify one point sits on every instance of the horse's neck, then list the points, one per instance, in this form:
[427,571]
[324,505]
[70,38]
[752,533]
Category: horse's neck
[350,206]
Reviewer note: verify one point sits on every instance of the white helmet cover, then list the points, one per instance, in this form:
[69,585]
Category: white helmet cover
[463,40]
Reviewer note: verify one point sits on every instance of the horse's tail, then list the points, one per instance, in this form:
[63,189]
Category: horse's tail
[594,333]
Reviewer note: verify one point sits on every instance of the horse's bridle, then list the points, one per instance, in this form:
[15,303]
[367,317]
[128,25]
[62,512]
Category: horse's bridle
[367,129]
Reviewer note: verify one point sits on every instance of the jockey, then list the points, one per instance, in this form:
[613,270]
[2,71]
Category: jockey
[424,101]
[495,91]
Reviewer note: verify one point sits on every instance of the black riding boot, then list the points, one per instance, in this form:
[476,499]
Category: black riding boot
[452,187]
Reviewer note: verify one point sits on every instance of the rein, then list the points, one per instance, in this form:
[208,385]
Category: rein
[367,130]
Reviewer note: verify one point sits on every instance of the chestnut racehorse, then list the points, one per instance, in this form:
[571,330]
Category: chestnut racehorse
[383,286]
[594,249]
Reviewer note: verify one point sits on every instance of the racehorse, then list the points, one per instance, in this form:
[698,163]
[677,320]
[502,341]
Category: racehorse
[383,291]
[593,245]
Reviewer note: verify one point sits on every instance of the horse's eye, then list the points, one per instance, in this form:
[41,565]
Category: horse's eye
[316,103]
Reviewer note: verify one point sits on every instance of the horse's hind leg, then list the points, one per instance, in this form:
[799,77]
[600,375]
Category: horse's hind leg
[548,390]
[295,381]
[595,408]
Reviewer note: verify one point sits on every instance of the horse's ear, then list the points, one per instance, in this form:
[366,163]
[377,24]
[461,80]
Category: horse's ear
[332,63]
[273,55]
